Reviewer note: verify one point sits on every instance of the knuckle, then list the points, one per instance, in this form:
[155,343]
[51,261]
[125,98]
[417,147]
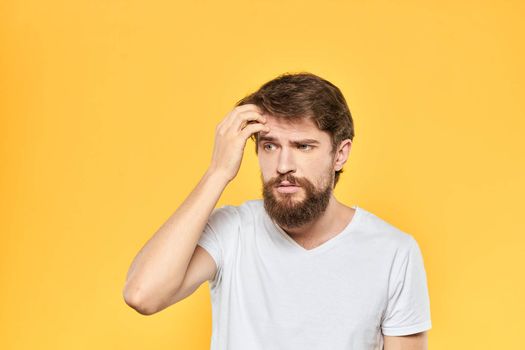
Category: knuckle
[242,114]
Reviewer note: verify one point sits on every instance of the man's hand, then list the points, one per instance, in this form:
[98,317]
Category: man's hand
[418,341]
[230,138]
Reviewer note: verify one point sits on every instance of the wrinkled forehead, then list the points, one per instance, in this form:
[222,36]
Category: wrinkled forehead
[298,128]
[292,124]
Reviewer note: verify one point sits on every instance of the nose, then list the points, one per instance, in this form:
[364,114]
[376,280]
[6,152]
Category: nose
[286,161]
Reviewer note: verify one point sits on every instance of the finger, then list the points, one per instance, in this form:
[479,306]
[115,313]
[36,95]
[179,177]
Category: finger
[245,118]
[253,128]
[232,117]
[248,107]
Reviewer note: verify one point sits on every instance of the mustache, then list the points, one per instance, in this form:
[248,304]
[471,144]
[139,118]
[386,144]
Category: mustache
[290,179]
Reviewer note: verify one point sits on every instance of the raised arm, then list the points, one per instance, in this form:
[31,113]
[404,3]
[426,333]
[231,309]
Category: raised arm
[160,268]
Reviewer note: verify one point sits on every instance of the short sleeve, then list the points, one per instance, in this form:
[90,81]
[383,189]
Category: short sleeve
[408,307]
[219,228]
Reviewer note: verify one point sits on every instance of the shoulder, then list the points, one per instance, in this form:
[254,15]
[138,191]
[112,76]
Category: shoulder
[224,215]
[384,233]
[238,213]
[249,209]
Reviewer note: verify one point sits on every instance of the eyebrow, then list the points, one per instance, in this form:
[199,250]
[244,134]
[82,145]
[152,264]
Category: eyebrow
[296,142]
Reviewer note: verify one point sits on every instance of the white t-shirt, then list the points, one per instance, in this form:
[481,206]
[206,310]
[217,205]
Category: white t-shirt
[271,293]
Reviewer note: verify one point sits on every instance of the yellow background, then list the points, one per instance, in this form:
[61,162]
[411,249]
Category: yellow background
[108,111]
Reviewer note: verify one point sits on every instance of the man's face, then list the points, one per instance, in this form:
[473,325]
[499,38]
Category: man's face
[289,155]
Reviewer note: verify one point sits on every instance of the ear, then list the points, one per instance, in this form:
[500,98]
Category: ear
[342,153]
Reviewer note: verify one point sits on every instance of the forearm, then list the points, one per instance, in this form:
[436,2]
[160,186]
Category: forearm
[159,267]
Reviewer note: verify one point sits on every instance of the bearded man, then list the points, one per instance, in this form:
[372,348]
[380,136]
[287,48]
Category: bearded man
[296,269]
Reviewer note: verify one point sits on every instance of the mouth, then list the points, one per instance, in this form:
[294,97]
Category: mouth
[288,188]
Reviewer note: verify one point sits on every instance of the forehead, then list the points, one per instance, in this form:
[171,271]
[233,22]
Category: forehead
[292,129]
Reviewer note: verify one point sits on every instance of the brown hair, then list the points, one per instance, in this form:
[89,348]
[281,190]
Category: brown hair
[305,95]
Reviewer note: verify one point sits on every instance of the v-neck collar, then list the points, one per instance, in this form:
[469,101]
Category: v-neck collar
[324,246]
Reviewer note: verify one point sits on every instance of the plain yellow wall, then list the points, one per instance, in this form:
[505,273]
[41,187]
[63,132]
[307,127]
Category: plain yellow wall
[108,111]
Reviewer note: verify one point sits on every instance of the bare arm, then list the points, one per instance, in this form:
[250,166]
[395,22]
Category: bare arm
[418,341]
[160,268]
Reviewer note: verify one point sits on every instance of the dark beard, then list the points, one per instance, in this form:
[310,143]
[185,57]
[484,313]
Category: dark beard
[289,212]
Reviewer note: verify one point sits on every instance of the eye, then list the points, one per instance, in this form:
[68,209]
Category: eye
[267,144]
[305,145]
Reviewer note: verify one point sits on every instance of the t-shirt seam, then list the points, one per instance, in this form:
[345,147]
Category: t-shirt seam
[410,326]
[415,328]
